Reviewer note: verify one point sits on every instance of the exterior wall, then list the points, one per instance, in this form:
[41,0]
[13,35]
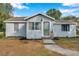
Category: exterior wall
[57,32]
[10,30]
[36,34]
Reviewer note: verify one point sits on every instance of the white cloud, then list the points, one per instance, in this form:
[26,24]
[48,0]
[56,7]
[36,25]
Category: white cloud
[68,4]
[73,7]
[71,4]
[45,11]
[68,10]
[19,6]
[72,10]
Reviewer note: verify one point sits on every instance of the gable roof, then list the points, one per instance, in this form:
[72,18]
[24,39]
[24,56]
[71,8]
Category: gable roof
[40,14]
[22,19]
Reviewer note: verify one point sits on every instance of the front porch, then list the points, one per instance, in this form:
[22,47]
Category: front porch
[38,30]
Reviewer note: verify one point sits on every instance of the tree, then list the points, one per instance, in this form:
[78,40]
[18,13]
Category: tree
[5,13]
[73,18]
[54,13]
[5,10]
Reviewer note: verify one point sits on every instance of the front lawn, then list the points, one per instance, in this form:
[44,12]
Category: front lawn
[70,43]
[13,46]
[1,35]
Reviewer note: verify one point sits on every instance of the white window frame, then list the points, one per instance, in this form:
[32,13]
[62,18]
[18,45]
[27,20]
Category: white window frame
[66,28]
[31,26]
[35,26]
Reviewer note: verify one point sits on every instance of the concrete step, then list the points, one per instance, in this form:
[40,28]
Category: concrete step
[48,41]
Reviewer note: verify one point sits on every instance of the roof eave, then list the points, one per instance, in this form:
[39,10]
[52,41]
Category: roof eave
[14,21]
[40,14]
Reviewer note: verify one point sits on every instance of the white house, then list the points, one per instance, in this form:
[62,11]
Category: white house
[39,26]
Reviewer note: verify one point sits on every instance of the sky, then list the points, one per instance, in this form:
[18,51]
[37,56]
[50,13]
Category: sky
[28,9]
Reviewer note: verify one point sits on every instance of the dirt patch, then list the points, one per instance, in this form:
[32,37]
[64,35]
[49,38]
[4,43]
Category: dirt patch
[17,47]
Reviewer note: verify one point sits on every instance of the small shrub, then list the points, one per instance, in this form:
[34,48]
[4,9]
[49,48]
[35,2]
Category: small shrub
[56,38]
[67,37]
[1,34]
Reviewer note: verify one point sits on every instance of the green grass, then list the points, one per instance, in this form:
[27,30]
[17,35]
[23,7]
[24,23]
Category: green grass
[1,35]
[70,43]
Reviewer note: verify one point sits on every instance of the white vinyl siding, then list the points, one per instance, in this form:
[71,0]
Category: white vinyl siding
[16,27]
[37,34]
[57,32]
[33,28]
[11,32]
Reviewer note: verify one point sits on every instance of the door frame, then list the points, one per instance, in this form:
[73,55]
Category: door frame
[43,29]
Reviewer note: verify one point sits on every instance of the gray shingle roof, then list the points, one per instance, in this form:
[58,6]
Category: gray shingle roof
[56,21]
[17,19]
[26,18]
[65,22]
[42,15]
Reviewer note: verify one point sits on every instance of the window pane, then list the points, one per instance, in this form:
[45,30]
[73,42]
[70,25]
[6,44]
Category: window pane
[46,26]
[37,25]
[16,26]
[31,25]
[65,27]
[68,27]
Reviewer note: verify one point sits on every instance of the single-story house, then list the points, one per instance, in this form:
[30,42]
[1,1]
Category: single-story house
[39,26]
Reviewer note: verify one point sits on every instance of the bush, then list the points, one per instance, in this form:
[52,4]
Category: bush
[56,38]
[1,34]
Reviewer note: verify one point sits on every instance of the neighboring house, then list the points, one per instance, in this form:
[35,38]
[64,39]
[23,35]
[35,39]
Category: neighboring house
[78,24]
[77,27]
[39,26]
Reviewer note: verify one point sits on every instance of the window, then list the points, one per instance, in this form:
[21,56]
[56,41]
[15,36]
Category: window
[37,25]
[34,25]
[16,26]
[65,27]
[31,25]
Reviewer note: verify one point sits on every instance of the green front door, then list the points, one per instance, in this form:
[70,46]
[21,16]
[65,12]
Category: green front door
[46,28]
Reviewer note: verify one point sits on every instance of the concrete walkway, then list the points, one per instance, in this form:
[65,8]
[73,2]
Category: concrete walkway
[48,41]
[61,50]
